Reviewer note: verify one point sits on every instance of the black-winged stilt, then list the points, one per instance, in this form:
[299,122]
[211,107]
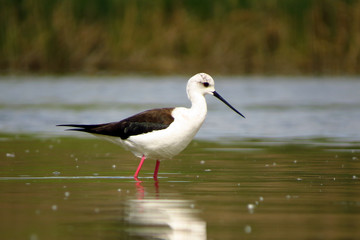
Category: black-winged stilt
[160,133]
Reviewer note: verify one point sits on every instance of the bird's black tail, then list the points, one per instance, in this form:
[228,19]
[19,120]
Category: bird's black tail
[80,127]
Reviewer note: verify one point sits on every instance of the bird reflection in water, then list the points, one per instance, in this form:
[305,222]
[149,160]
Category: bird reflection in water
[157,218]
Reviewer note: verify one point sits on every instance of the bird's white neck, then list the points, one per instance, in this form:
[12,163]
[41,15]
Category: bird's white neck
[198,105]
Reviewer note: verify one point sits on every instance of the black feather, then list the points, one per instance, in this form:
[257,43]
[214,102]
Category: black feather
[148,121]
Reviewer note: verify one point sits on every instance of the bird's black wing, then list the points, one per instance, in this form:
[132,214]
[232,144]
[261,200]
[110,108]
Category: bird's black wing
[148,121]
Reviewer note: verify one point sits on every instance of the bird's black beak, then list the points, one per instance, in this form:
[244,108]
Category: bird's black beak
[228,104]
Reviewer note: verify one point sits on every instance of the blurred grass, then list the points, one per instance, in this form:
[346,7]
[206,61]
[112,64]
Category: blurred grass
[173,36]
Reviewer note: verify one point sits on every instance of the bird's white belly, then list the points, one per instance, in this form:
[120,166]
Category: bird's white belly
[165,143]
[162,144]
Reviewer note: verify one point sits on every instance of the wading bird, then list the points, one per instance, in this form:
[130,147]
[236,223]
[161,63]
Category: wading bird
[160,133]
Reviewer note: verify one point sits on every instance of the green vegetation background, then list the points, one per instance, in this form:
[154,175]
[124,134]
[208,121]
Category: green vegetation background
[180,36]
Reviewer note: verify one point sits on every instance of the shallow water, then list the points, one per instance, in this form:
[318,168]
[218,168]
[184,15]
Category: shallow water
[290,170]
[71,188]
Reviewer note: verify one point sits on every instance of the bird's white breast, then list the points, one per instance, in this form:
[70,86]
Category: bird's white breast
[167,142]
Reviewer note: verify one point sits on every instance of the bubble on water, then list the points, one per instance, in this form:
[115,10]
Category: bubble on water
[261,199]
[67,194]
[202,162]
[247,229]
[251,207]
[299,179]
[207,170]
[354,177]
[119,190]
[295,161]
[113,166]
[54,207]
[10,155]
[34,236]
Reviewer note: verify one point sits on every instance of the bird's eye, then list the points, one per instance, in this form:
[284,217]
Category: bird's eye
[206,84]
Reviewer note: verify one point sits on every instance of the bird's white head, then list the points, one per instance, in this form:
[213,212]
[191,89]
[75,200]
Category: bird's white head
[200,83]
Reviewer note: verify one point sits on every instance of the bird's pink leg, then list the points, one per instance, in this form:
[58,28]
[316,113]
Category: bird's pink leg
[139,167]
[156,169]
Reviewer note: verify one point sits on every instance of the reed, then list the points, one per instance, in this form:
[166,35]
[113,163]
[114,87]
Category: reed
[173,36]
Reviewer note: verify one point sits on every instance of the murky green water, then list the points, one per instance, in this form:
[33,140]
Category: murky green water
[72,188]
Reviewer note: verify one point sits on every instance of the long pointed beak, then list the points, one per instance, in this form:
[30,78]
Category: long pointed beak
[228,104]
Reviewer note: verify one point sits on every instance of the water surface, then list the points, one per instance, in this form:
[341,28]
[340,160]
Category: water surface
[67,188]
[274,107]
[290,170]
